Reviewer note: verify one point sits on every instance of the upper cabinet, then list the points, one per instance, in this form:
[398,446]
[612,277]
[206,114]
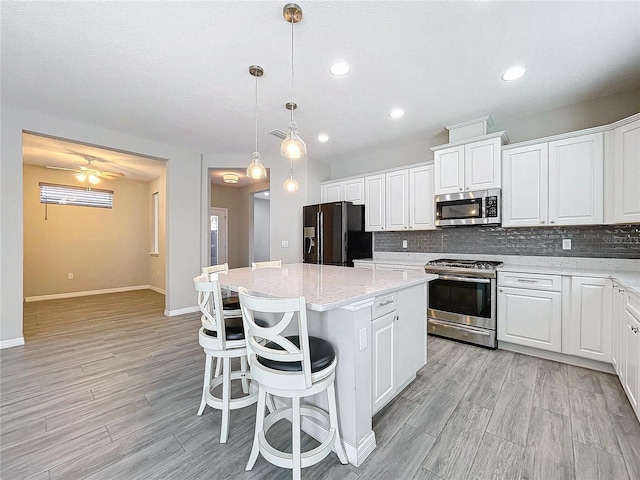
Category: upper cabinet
[559,182]
[400,200]
[468,166]
[351,190]
[627,173]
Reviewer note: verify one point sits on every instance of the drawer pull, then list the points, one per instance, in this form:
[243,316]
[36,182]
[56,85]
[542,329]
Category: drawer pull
[526,280]
[384,304]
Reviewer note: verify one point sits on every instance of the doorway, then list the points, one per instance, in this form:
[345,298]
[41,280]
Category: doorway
[218,235]
[261,231]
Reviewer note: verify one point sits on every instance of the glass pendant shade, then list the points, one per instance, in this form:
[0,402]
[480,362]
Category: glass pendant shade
[293,147]
[291,184]
[256,169]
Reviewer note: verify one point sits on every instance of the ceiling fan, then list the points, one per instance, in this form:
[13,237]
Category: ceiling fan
[90,173]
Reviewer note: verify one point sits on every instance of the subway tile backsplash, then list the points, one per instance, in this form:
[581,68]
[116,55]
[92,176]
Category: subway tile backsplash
[604,241]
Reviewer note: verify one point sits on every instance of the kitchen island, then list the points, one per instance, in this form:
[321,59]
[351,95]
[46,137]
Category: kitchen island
[376,321]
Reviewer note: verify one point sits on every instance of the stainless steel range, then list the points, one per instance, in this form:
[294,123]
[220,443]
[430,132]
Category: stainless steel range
[462,300]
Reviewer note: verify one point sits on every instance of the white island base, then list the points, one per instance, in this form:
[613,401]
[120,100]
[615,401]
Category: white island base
[376,321]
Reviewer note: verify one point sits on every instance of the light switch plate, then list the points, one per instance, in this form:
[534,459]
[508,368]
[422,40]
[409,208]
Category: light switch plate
[404,244]
[566,244]
[285,243]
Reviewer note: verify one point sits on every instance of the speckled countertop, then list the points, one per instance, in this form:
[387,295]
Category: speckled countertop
[324,286]
[625,272]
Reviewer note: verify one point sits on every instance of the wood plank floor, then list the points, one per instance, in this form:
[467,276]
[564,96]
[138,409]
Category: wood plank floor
[106,387]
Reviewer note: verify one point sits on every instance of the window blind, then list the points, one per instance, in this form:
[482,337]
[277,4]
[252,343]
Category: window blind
[67,195]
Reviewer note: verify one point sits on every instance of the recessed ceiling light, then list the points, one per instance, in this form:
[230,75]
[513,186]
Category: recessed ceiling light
[230,177]
[396,113]
[514,73]
[339,68]
[323,137]
[266,194]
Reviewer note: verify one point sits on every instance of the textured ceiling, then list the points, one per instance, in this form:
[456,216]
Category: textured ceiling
[177,72]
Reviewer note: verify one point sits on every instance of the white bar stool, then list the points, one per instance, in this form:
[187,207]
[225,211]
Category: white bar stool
[222,341]
[291,367]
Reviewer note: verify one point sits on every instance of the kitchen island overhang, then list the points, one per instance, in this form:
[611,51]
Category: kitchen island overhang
[376,321]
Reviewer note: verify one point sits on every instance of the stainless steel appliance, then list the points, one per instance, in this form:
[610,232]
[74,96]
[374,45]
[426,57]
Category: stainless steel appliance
[334,234]
[462,300]
[481,207]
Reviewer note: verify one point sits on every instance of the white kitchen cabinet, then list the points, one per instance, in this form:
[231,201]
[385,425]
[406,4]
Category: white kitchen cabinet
[631,359]
[375,203]
[554,183]
[530,316]
[467,167]
[590,322]
[397,204]
[627,173]
[346,190]
[576,180]
[525,186]
[421,206]
[383,361]
[617,320]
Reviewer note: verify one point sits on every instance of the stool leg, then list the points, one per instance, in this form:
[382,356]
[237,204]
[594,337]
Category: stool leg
[206,382]
[226,397]
[218,367]
[243,368]
[270,405]
[295,430]
[255,450]
[333,421]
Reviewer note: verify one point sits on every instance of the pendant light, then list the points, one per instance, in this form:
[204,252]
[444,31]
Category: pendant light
[292,147]
[291,184]
[256,169]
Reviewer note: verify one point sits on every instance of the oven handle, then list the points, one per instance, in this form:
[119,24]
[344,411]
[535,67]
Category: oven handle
[479,331]
[464,279]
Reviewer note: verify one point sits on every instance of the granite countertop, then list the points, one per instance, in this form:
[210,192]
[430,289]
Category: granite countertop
[625,272]
[324,286]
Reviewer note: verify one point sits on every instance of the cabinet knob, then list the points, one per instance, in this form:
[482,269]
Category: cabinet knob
[621,290]
[501,291]
[460,189]
[542,222]
[552,221]
[634,329]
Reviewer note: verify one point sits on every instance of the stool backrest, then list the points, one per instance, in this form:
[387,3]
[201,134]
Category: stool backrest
[210,305]
[272,264]
[257,337]
[224,268]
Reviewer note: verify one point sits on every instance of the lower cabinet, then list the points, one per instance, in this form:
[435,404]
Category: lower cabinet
[590,324]
[631,358]
[383,343]
[616,327]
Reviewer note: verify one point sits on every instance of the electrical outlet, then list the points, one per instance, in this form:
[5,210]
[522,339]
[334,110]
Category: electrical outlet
[404,244]
[285,243]
[70,276]
[363,338]
[566,244]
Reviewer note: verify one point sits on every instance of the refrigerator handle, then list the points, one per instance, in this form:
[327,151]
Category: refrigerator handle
[320,222]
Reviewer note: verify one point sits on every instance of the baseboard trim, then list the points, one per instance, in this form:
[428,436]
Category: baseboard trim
[157,289]
[12,342]
[181,311]
[55,296]
[558,357]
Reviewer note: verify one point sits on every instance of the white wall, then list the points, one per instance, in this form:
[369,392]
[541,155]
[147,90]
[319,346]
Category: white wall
[183,212]
[261,230]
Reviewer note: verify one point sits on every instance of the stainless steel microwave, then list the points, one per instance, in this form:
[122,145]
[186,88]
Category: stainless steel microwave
[481,207]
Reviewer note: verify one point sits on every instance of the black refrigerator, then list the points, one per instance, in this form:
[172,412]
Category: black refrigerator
[334,234]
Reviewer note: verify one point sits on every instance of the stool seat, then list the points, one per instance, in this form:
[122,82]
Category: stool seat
[321,352]
[234,329]
[231,303]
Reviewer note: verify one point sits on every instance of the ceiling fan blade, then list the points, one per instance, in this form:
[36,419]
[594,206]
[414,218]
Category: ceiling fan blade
[63,168]
[111,175]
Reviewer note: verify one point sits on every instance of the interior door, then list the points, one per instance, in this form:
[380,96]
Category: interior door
[218,228]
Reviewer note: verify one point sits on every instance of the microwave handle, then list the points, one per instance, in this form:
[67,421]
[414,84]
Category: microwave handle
[464,279]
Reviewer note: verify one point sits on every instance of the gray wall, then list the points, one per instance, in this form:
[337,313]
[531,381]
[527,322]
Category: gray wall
[579,116]
[260,230]
[609,241]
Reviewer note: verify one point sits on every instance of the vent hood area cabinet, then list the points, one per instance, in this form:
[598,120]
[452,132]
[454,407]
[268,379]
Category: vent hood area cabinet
[469,165]
[559,182]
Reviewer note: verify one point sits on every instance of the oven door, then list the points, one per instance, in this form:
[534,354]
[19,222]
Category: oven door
[465,300]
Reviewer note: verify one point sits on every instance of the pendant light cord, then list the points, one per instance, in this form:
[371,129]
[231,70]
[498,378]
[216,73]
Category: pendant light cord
[256,110]
[292,22]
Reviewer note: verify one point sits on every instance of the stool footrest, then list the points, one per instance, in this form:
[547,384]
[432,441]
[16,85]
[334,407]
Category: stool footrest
[234,403]
[309,457]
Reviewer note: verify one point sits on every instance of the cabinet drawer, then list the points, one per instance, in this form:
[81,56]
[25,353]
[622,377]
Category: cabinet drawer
[383,304]
[632,303]
[532,281]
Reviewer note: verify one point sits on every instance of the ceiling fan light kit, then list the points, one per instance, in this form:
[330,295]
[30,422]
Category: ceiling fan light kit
[89,173]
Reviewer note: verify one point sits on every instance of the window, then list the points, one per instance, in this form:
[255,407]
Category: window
[155,225]
[79,196]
